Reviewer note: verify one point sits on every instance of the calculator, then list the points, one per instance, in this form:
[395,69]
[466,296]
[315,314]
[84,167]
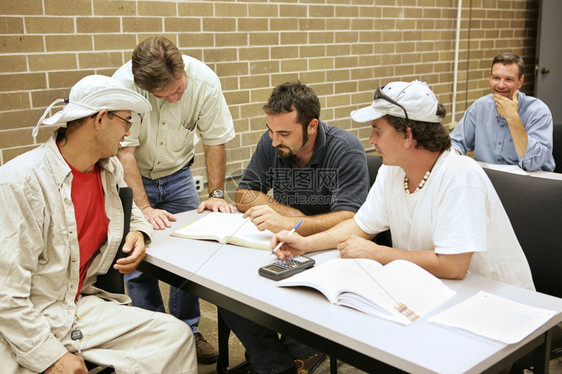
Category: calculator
[285,268]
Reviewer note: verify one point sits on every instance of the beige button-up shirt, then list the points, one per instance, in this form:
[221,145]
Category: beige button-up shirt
[39,259]
[165,137]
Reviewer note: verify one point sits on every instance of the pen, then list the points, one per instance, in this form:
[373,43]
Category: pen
[290,232]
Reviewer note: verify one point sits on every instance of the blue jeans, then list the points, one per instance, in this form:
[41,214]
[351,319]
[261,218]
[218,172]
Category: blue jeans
[267,353]
[175,193]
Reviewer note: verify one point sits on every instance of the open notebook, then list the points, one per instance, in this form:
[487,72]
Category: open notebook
[229,228]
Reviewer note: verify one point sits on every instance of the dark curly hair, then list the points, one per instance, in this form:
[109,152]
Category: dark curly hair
[431,136]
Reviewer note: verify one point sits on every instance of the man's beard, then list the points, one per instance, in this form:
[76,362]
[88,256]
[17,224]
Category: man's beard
[289,156]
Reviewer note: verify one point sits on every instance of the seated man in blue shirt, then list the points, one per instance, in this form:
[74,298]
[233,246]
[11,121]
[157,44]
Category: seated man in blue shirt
[507,126]
[318,174]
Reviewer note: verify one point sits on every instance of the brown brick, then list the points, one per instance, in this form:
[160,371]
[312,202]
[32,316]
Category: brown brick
[346,62]
[11,25]
[260,95]
[12,7]
[44,98]
[338,24]
[14,101]
[322,10]
[294,37]
[66,79]
[264,38]
[22,43]
[321,37]
[311,24]
[220,54]
[362,24]
[49,25]
[230,10]
[219,24]
[347,87]
[231,39]
[263,10]
[195,9]
[347,37]
[251,110]
[232,68]
[264,67]
[52,61]
[195,40]
[229,83]
[254,53]
[14,119]
[12,63]
[22,81]
[237,97]
[311,77]
[99,59]
[97,25]
[293,65]
[346,11]
[254,81]
[114,41]
[312,51]
[283,24]
[15,138]
[157,8]
[253,24]
[68,7]
[290,10]
[338,75]
[114,8]
[68,43]
[326,63]
[144,24]
[370,36]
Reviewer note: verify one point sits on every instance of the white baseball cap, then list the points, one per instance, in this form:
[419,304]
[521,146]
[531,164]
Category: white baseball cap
[92,94]
[415,98]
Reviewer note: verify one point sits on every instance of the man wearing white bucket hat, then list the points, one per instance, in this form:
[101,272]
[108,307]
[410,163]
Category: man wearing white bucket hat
[440,207]
[61,226]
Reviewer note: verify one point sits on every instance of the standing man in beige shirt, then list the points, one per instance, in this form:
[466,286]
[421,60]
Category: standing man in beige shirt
[185,95]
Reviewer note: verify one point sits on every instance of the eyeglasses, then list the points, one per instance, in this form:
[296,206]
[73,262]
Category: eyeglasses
[380,95]
[129,123]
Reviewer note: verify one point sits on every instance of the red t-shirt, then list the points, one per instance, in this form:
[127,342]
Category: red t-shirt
[89,209]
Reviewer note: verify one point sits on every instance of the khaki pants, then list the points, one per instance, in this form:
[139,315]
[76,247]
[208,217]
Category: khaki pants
[132,340]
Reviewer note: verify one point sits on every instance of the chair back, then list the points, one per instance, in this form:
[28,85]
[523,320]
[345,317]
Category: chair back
[113,280]
[373,164]
[557,147]
[534,207]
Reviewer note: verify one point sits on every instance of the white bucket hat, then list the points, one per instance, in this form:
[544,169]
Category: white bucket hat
[413,100]
[92,94]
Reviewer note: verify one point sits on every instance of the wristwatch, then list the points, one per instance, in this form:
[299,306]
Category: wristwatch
[217,193]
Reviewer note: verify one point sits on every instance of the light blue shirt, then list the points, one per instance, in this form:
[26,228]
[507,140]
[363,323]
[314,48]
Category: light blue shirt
[485,132]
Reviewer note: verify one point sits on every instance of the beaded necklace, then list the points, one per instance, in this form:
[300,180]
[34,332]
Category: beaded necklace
[424,179]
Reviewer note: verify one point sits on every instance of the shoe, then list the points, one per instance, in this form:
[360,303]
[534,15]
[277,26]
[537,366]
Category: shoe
[308,365]
[243,368]
[206,353]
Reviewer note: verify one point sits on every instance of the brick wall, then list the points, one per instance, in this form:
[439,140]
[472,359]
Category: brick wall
[343,49]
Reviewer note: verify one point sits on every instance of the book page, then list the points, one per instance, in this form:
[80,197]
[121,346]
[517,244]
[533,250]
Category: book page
[332,277]
[227,228]
[413,286]
[494,317]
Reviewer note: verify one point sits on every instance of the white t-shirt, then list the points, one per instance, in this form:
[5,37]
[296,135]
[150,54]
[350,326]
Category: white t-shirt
[457,211]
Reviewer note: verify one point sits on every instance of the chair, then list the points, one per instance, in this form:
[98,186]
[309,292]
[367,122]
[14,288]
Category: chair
[534,207]
[557,147]
[373,164]
[113,280]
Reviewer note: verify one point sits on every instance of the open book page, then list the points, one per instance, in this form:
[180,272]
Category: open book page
[494,317]
[367,286]
[227,228]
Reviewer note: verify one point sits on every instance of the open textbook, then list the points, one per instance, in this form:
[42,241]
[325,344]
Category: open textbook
[494,317]
[227,228]
[400,291]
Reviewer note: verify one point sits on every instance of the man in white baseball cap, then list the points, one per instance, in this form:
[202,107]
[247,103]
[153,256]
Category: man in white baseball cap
[441,208]
[61,228]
